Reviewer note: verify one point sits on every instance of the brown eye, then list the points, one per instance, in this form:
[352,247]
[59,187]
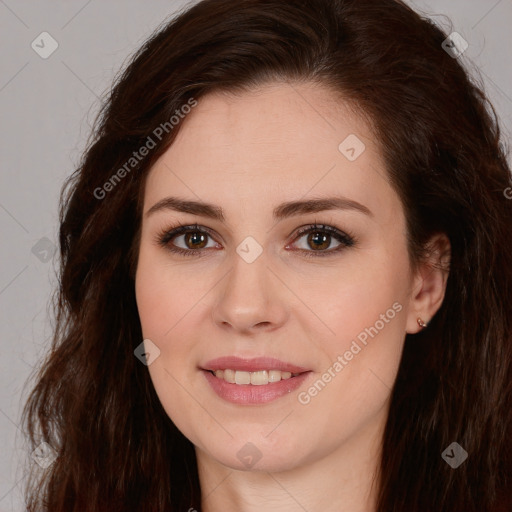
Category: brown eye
[195,239]
[319,240]
[186,240]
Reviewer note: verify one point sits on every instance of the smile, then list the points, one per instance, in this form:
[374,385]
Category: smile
[253,381]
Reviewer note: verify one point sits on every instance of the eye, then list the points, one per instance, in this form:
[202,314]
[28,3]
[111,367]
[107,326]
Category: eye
[193,239]
[320,237]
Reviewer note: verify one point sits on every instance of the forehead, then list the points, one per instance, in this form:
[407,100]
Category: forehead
[279,121]
[280,139]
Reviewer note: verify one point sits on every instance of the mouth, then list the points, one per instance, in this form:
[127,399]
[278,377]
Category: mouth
[253,381]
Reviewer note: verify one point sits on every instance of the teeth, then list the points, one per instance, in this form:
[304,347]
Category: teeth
[229,375]
[242,378]
[274,376]
[258,378]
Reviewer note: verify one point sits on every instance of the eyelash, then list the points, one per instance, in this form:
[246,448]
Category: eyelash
[166,235]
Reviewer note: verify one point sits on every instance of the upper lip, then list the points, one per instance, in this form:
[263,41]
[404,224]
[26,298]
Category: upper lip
[252,365]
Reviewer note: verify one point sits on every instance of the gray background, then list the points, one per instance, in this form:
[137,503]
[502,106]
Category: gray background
[47,107]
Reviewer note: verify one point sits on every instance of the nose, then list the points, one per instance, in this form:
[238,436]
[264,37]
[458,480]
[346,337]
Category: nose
[251,298]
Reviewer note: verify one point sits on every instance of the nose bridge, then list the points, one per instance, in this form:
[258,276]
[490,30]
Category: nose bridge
[247,283]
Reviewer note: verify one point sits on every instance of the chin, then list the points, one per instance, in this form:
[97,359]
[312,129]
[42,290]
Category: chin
[253,452]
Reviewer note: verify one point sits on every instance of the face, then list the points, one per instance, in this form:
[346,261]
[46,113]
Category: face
[323,289]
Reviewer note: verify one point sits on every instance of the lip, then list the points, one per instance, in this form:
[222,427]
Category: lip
[248,394]
[252,365]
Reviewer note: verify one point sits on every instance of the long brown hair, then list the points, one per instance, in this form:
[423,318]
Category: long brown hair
[94,402]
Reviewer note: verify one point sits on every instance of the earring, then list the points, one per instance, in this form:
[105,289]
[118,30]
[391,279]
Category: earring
[421,323]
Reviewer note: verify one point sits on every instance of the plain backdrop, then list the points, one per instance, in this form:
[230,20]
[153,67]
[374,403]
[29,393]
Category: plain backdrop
[47,107]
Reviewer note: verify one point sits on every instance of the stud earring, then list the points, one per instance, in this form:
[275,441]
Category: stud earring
[421,323]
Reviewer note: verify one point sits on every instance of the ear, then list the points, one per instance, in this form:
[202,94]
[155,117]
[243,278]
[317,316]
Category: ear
[429,283]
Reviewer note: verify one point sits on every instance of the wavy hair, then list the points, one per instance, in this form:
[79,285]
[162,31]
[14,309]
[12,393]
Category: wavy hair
[94,403]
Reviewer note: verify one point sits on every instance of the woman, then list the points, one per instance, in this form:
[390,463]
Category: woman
[286,275]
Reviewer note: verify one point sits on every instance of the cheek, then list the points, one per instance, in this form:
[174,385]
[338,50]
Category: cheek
[368,295]
[365,313]
[166,308]
[165,295]
[162,306]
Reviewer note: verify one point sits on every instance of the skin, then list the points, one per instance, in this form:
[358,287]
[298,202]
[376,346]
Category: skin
[248,153]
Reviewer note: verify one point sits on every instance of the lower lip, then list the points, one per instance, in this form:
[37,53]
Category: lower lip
[251,394]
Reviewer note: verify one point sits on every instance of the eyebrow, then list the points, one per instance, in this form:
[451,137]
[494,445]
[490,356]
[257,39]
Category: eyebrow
[283,211]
